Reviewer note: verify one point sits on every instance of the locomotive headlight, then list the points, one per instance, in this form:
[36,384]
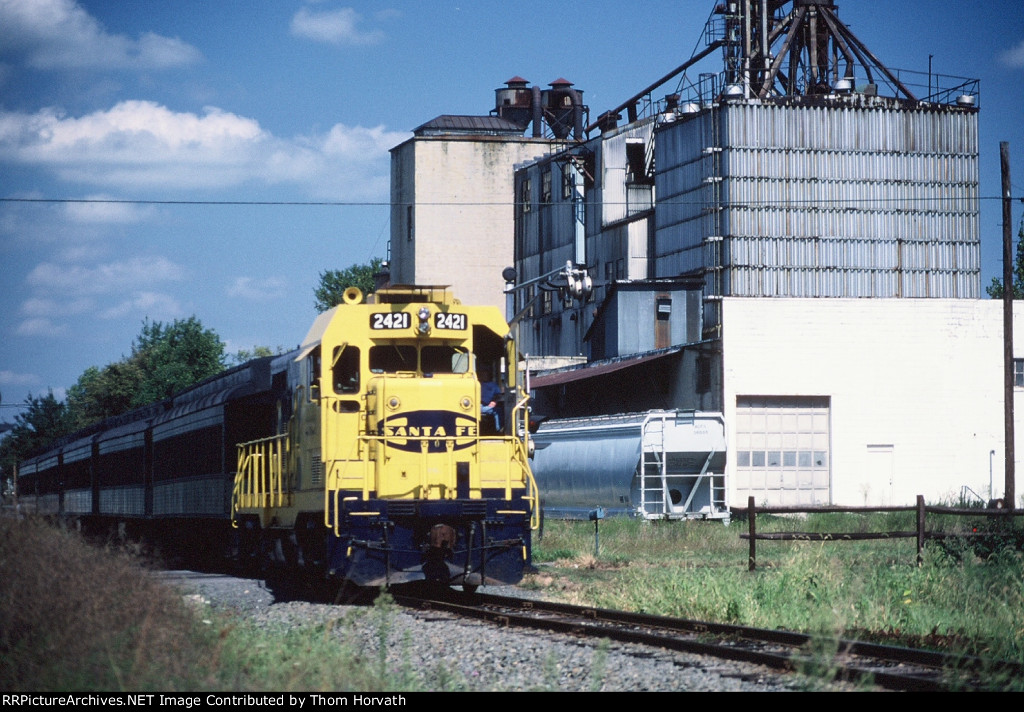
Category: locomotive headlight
[466,402]
[424,327]
[393,403]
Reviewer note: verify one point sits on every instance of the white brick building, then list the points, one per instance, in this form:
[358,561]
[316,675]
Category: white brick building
[864,401]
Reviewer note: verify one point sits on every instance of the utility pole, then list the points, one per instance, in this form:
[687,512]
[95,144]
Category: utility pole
[1009,494]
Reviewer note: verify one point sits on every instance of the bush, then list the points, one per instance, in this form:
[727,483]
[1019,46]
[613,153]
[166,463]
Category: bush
[76,617]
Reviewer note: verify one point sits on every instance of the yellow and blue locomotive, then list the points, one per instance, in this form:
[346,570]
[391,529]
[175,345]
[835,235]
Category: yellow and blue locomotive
[389,467]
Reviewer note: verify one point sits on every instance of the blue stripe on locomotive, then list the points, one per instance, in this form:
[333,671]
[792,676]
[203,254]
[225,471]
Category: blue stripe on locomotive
[390,547]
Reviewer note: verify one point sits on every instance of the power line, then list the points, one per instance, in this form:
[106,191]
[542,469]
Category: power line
[499,203]
[191,202]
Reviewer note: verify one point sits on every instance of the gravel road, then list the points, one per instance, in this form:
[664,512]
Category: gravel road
[447,653]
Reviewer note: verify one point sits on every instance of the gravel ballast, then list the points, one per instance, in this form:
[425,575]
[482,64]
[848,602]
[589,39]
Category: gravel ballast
[443,652]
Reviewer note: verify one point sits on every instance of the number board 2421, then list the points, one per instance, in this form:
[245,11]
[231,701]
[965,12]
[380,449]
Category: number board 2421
[450,321]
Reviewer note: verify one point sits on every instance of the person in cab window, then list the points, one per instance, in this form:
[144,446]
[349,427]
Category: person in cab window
[490,395]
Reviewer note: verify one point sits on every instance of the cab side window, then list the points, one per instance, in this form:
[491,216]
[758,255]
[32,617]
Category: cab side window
[313,376]
[345,371]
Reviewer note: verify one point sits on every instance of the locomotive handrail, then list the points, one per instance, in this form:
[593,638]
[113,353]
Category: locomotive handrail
[260,477]
[519,411]
[335,480]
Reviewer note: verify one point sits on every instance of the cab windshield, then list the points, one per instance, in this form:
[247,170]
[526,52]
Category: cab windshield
[440,358]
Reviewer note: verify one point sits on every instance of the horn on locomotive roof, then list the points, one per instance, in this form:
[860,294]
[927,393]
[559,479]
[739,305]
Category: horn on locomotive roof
[353,295]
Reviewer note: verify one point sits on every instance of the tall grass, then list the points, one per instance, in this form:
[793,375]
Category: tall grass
[75,617]
[81,618]
[957,600]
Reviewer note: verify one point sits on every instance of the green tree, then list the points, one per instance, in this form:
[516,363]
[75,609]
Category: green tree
[245,355]
[101,393]
[44,420]
[173,357]
[995,289]
[333,283]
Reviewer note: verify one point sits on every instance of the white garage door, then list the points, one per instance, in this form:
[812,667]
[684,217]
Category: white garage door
[782,450]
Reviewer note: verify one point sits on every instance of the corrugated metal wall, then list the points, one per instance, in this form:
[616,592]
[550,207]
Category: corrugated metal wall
[620,199]
[821,201]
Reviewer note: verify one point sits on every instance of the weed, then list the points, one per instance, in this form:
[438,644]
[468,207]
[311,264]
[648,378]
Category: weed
[965,601]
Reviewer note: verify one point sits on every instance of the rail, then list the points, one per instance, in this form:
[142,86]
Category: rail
[920,532]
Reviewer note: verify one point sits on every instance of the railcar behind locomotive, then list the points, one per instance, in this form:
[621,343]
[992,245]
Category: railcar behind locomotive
[366,455]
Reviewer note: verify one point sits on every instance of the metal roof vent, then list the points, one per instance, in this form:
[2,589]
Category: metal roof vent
[734,91]
[965,100]
[691,107]
[844,86]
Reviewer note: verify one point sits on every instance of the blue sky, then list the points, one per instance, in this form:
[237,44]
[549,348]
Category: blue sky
[300,101]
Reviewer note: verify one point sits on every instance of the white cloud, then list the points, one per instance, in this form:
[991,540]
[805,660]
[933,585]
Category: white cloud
[152,304]
[41,327]
[107,278]
[135,143]
[95,210]
[132,132]
[334,27]
[11,378]
[59,34]
[351,143]
[1013,57]
[38,307]
[143,145]
[257,291]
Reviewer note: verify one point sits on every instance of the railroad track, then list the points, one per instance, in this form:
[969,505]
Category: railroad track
[885,666]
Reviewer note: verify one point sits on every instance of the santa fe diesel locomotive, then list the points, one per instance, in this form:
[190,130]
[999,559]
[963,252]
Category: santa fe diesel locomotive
[364,456]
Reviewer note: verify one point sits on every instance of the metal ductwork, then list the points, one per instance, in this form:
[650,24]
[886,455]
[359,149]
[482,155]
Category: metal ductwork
[560,107]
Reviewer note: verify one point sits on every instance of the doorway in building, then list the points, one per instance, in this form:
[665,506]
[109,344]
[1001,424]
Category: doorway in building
[878,480]
[783,450]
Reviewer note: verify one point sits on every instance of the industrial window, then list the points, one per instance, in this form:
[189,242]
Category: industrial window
[409,224]
[1018,373]
[568,182]
[545,186]
[663,308]
[546,302]
[636,170]
[524,195]
[703,374]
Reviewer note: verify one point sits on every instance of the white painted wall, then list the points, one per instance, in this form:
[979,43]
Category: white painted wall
[462,192]
[918,382]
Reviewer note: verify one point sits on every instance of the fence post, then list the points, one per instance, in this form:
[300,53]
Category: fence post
[752,529]
[920,529]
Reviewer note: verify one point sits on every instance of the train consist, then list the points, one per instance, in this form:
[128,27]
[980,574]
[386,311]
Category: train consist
[364,456]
